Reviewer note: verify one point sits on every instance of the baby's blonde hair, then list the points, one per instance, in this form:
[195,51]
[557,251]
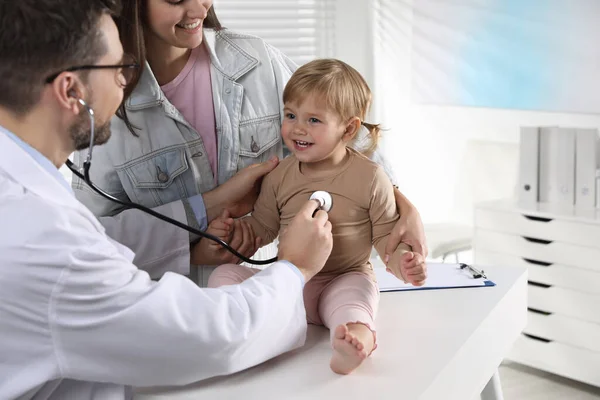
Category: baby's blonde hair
[344,89]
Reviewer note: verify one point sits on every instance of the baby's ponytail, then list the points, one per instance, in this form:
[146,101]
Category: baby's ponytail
[374,136]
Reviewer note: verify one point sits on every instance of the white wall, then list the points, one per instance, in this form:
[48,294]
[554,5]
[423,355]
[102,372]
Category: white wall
[426,146]
[425,143]
[353,38]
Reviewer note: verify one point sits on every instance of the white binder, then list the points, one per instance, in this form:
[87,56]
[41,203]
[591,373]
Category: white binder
[529,151]
[585,167]
[557,166]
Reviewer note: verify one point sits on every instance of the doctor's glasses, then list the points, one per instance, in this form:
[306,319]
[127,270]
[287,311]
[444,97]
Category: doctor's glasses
[127,69]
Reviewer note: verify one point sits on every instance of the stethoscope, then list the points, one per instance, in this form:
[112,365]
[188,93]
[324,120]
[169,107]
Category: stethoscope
[323,198]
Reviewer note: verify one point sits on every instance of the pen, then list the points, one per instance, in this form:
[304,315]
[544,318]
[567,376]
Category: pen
[474,271]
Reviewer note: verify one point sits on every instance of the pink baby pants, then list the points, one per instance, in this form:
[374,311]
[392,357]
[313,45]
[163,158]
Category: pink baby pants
[329,300]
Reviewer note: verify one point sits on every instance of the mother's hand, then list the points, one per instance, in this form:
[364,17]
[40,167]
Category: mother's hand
[409,229]
[239,193]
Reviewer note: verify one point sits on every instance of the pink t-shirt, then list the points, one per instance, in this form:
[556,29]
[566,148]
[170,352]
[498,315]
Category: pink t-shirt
[191,93]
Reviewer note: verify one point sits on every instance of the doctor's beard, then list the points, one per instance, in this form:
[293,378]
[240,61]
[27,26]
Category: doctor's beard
[80,131]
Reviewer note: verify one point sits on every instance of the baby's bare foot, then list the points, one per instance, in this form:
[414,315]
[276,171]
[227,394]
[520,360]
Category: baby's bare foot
[348,351]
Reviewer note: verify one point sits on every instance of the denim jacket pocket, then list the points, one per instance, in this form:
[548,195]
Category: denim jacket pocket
[158,178]
[259,140]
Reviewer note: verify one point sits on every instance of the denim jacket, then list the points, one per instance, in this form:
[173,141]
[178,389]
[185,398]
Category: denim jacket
[166,163]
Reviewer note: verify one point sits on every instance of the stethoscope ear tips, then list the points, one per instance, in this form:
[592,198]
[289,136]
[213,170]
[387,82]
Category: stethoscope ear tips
[324,199]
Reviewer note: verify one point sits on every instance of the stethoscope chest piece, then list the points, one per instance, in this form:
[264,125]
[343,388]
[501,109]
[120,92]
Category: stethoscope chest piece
[324,199]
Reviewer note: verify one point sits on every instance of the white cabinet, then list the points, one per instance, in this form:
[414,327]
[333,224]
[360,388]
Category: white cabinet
[561,248]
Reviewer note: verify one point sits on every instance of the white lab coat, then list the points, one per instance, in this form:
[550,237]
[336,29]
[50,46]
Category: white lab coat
[79,321]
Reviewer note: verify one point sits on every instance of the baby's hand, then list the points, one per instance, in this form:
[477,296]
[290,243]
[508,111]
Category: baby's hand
[221,227]
[244,240]
[208,252]
[409,267]
[237,233]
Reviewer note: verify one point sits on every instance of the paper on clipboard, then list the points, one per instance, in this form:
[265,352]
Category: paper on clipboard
[439,276]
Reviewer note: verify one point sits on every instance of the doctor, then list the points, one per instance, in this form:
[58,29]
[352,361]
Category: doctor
[77,319]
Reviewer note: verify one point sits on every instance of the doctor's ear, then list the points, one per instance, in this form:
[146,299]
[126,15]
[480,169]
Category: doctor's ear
[66,90]
[73,98]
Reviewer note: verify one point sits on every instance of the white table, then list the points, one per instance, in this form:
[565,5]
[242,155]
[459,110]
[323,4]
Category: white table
[433,344]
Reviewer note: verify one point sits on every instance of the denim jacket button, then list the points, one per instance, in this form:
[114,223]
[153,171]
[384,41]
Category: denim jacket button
[163,177]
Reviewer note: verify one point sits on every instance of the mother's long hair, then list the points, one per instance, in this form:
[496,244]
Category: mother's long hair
[131,24]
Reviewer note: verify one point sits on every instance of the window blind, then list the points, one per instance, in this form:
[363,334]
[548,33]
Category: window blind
[302,29]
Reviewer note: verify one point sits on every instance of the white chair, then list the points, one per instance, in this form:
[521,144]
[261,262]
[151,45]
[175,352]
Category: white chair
[488,171]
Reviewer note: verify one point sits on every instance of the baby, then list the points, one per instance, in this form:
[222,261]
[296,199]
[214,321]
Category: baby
[325,103]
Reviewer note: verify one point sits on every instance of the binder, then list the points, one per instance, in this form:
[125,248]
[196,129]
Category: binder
[439,276]
[529,160]
[585,168]
[557,166]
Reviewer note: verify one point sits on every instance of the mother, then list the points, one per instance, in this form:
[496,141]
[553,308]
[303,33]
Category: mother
[206,105]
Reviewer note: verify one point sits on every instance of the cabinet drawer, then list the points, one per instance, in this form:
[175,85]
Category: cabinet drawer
[564,330]
[572,362]
[538,249]
[564,302]
[543,227]
[544,272]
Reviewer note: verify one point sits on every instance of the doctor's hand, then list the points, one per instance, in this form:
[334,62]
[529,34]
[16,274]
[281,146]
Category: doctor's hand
[237,233]
[307,240]
[239,193]
[408,266]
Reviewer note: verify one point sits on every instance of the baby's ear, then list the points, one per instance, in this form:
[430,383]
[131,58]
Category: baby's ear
[352,128]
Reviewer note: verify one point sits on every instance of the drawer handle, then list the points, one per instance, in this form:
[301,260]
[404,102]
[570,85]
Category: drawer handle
[537,284]
[533,310]
[538,241]
[542,263]
[540,339]
[537,219]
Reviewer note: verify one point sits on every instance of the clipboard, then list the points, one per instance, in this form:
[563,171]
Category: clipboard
[439,276]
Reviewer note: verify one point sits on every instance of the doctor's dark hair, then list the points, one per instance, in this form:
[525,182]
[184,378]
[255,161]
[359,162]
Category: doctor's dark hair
[131,24]
[345,92]
[41,37]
